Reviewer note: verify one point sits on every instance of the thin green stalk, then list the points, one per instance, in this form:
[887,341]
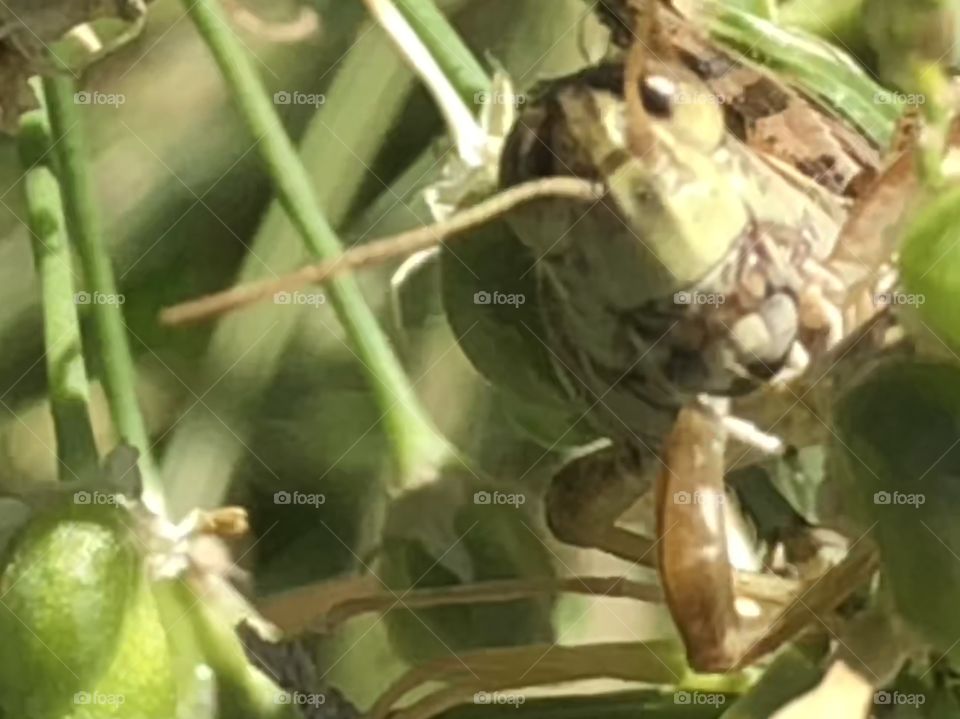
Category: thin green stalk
[342,140]
[468,135]
[413,438]
[84,222]
[200,634]
[459,65]
[66,373]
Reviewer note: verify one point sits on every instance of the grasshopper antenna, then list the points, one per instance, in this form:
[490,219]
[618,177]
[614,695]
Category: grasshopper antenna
[648,40]
[379,251]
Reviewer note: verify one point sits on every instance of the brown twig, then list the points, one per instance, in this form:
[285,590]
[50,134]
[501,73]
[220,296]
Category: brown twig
[381,250]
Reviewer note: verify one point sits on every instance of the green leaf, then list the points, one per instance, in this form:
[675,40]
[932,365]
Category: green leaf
[551,429]
[490,297]
[472,534]
[794,672]
[897,457]
[903,34]
[930,263]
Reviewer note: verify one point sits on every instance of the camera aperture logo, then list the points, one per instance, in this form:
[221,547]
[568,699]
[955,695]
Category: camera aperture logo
[98,298]
[310,499]
[514,700]
[92,97]
[514,499]
[703,698]
[310,299]
[498,298]
[283,97]
[900,499]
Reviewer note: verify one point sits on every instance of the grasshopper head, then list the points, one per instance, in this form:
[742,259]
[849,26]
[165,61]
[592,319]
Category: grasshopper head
[671,214]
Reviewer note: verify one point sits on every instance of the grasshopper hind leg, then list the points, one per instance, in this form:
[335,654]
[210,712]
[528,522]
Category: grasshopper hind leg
[591,493]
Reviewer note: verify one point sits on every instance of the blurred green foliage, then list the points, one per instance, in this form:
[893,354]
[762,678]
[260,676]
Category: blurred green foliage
[274,400]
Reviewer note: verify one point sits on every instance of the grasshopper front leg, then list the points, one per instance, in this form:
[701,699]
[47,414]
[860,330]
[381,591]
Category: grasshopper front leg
[699,583]
[694,568]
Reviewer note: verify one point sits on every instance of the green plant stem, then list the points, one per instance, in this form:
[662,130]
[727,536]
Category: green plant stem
[195,628]
[66,373]
[84,222]
[459,64]
[342,140]
[412,436]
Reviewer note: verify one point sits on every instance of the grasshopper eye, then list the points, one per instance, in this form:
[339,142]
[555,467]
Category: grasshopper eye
[657,94]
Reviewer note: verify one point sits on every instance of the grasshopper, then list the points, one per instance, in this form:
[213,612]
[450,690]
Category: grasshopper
[703,276]
[701,284]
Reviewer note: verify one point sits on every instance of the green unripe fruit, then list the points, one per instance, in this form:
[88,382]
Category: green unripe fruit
[64,593]
[139,682]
